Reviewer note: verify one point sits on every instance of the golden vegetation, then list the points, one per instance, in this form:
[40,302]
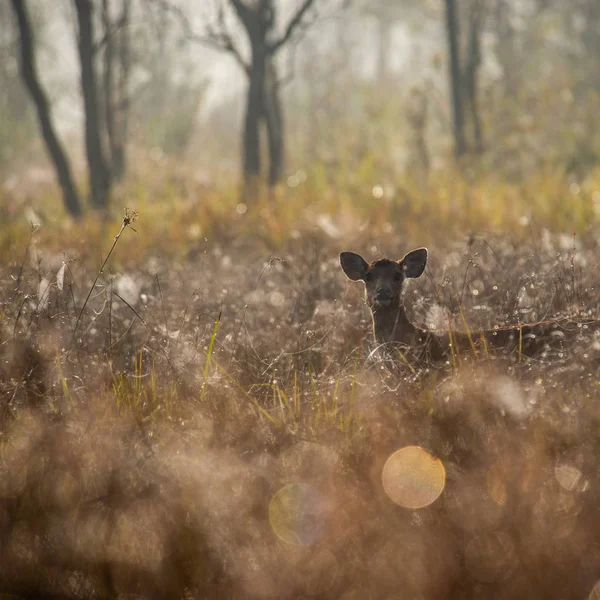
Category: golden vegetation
[201,418]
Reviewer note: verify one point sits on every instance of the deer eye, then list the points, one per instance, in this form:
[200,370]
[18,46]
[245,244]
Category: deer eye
[369,277]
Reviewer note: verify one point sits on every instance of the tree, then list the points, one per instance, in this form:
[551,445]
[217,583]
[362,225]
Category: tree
[264,108]
[99,174]
[111,94]
[116,71]
[471,72]
[453,33]
[464,73]
[31,79]
[263,103]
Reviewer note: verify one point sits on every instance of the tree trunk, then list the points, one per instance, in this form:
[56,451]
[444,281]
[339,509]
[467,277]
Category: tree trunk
[275,127]
[472,73]
[254,113]
[452,30]
[98,171]
[30,77]
[115,85]
[108,79]
[119,159]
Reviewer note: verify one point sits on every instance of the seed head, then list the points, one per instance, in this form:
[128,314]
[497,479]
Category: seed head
[130,216]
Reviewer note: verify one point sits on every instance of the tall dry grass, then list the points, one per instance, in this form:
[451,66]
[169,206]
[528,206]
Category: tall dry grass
[221,362]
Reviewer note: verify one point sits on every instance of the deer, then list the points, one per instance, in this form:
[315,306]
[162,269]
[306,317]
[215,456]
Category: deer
[384,281]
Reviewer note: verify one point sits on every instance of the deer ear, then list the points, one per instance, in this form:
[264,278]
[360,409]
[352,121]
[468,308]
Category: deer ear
[354,265]
[413,264]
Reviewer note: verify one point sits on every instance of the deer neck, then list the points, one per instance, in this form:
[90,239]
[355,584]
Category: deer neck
[391,324]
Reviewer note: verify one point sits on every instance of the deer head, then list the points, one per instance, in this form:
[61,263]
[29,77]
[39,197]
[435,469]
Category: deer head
[383,278]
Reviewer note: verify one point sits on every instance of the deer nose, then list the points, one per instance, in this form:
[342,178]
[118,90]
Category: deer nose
[383,297]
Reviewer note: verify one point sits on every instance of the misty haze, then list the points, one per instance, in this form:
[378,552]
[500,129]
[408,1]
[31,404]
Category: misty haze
[299,299]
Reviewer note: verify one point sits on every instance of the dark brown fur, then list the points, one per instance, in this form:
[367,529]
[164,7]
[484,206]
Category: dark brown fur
[384,281]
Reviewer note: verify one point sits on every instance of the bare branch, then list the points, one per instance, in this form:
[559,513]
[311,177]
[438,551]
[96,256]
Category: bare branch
[216,39]
[110,31]
[225,40]
[243,12]
[294,23]
[291,71]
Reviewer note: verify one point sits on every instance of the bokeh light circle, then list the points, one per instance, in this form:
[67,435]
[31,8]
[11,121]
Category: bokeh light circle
[413,478]
[556,513]
[298,514]
[569,477]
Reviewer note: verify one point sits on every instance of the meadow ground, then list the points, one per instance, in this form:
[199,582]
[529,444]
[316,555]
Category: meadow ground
[209,422]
